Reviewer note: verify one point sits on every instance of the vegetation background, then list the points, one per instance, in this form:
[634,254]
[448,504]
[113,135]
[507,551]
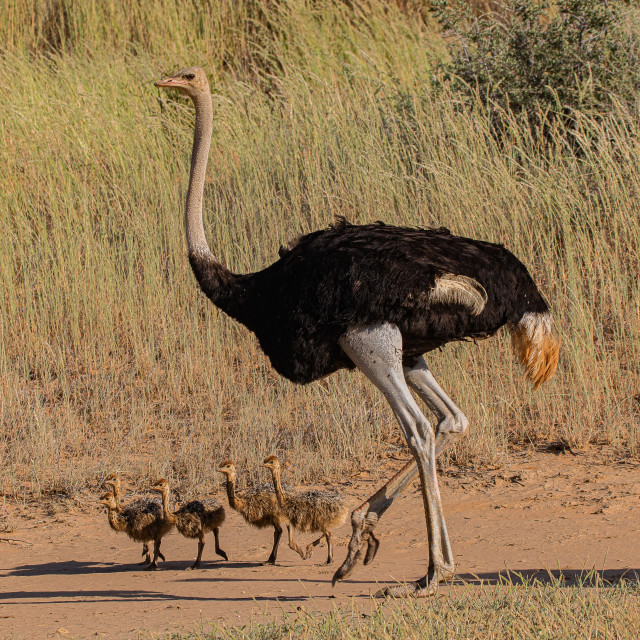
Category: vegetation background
[110,358]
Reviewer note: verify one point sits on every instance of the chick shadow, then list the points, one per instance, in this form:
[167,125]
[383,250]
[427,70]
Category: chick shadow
[77,567]
[205,566]
[68,567]
[89,597]
[93,596]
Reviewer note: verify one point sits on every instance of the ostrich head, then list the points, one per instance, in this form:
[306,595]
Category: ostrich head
[273,463]
[113,480]
[161,486]
[228,469]
[192,82]
[108,500]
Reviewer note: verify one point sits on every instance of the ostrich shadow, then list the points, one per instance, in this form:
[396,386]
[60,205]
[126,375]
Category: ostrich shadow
[560,577]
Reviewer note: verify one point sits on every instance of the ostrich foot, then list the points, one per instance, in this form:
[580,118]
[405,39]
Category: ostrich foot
[145,554]
[423,588]
[152,567]
[223,555]
[360,536]
[195,565]
[308,552]
[312,545]
[365,518]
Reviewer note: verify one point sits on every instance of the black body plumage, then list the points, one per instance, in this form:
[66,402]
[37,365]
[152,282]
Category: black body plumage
[350,275]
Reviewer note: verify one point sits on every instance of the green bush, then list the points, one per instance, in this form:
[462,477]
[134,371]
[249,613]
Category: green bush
[543,59]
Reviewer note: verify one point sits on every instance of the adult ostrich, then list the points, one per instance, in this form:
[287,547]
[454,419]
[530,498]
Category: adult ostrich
[375,297]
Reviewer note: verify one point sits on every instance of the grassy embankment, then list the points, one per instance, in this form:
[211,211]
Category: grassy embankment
[109,356]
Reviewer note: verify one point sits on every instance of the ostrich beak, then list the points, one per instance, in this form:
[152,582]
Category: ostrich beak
[170,82]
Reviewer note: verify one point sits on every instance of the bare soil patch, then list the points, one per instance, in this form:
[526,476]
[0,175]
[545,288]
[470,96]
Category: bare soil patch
[65,573]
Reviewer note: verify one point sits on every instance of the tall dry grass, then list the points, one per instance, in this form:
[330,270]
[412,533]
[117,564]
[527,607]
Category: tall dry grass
[110,357]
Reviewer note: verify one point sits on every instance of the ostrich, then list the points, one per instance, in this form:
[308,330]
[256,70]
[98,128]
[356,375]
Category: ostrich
[375,297]
[259,507]
[195,518]
[138,522]
[313,510]
[164,524]
[145,505]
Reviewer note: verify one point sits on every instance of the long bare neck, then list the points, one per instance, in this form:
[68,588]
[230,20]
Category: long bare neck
[116,495]
[196,240]
[277,485]
[168,516]
[234,501]
[221,286]
[116,521]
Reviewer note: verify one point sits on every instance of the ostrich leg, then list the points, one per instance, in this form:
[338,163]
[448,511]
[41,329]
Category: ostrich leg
[451,423]
[216,537]
[326,535]
[377,351]
[145,553]
[366,516]
[196,564]
[277,533]
[293,545]
[156,554]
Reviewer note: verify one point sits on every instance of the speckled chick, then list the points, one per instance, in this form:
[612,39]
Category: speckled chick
[141,523]
[257,505]
[144,505]
[195,518]
[313,510]
[165,523]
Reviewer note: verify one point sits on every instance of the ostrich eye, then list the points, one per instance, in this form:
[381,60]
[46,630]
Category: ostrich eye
[189,76]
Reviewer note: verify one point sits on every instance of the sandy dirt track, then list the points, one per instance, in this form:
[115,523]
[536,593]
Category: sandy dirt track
[69,575]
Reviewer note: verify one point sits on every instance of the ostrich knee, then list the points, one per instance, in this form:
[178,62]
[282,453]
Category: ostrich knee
[455,424]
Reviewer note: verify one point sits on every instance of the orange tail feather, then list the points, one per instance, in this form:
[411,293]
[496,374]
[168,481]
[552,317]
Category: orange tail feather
[536,347]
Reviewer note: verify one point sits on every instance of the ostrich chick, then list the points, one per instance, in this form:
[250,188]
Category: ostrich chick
[113,482]
[195,518]
[138,522]
[313,510]
[165,523]
[259,507]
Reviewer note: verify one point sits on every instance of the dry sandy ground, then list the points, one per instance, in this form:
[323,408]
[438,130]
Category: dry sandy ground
[69,575]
